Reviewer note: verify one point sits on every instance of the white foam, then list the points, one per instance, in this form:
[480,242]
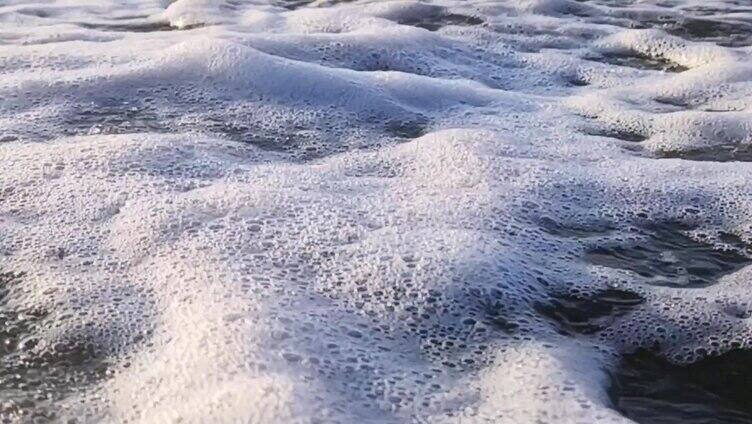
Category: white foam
[337,212]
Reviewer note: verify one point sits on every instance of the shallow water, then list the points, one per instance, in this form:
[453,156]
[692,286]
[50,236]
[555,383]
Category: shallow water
[377,211]
[649,389]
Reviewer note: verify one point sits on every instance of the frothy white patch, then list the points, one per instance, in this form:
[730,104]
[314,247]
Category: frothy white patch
[359,211]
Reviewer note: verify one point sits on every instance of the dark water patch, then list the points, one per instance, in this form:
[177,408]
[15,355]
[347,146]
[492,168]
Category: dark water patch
[709,10]
[407,129]
[623,135]
[129,116]
[113,116]
[558,229]
[732,153]
[159,26]
[275,141]
[728,33]
[648,389]
[306,141]
[129,17]
[304,133]
[692,24]
[614,3]
[294,4]
[575,314]
[297,4]
[7,279]
[38,13]
[665,256]
[678,103]
[735,241]
[434,22]
[496,315]
[523,30]
[121,116]
[638,61]
[34,376]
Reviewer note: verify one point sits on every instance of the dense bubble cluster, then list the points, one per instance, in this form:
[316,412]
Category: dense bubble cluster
[380,211]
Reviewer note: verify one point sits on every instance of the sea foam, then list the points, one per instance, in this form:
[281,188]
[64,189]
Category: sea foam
[378,211]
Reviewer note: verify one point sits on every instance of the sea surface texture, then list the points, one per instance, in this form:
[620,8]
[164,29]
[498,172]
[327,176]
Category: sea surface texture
[247,211]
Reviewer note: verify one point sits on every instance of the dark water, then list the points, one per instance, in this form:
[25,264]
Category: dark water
[666,256]
[434,22]
[35,376]
[587,315]
[715,390]
[639,61]
[645,387]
